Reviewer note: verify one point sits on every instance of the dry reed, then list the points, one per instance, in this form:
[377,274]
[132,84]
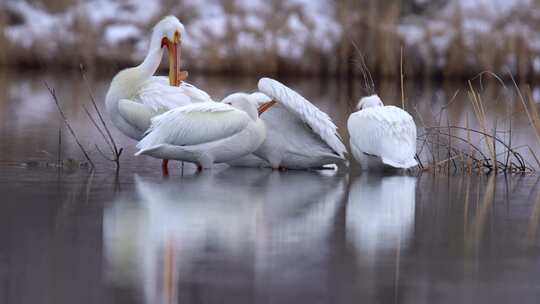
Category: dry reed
[461,149]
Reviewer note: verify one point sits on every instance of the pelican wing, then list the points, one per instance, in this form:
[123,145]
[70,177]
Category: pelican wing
[159,95]
[194,124]
[317,120]
[136,114]
[387,132]
[196,94]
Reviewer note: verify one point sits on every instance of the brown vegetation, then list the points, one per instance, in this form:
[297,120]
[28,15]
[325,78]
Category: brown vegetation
[488,148]
[373,25]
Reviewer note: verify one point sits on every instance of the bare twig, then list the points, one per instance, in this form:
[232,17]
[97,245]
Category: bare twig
[98,128]
[103,154]
[117,152]
[66,122]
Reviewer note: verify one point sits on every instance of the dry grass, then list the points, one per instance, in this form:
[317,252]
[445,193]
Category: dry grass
[480,113]
[476,150]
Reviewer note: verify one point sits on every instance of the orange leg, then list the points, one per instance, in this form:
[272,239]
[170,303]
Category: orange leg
[165,167]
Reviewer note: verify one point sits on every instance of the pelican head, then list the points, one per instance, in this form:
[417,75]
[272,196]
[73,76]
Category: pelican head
[244,102]
[168,34]
[369,102]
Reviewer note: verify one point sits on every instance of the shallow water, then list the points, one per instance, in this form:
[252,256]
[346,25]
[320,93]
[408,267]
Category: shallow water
[250,236]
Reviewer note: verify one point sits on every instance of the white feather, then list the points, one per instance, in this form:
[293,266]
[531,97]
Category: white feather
[317,120]
[156,97]
[194,124]
[160,96]
[138,115]
[259,98]
[387,132]
[194,93]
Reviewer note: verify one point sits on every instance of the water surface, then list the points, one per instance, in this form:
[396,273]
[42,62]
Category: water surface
[250,236]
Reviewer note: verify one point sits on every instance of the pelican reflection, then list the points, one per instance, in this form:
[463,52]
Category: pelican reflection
[380,213]
[237,227]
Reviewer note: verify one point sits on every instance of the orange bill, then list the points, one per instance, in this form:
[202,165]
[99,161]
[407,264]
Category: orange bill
[173,47]
[265,106]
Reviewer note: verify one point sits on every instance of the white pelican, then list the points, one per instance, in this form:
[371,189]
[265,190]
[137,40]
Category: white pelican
[299,135]
[135,95]
[205,133]
[381,135]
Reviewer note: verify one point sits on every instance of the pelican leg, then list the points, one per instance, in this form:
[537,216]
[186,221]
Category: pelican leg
[165,167]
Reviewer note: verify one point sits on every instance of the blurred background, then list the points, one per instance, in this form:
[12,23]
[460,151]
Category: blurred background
[438,38]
